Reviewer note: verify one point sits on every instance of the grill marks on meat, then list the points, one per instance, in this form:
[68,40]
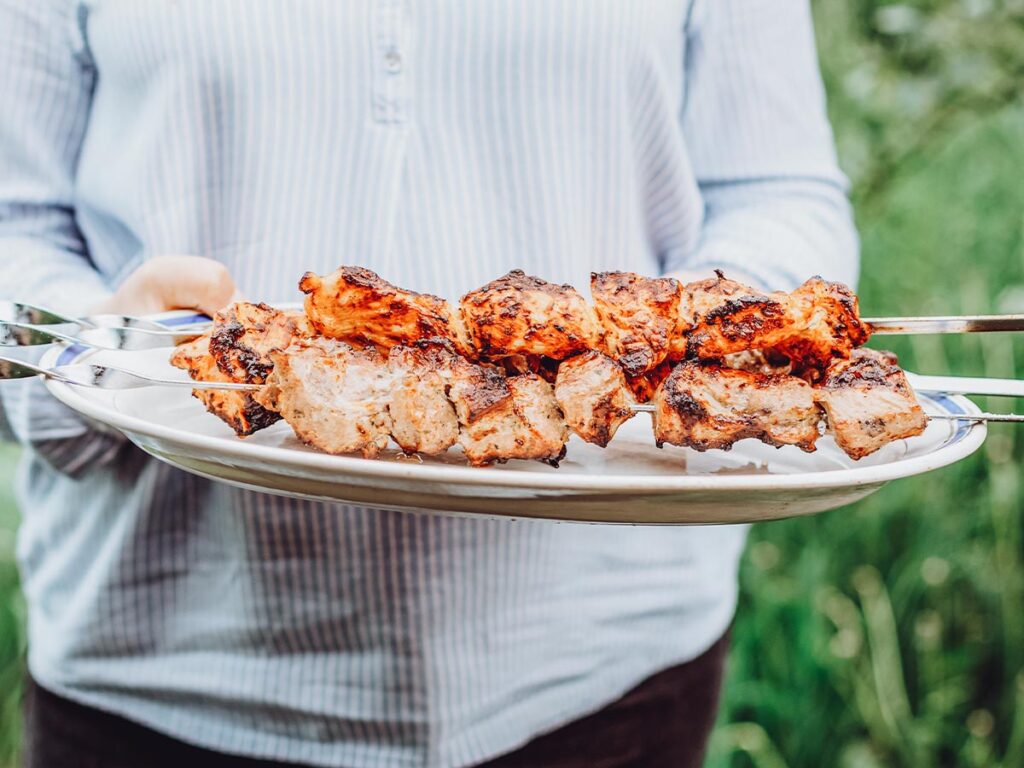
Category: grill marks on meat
[726,317]
[238,349]
[528,324]
[333,395]
[357,305]
[704,406]
[592,392]
[505,418]
[826,326]
[811,326]
[638,315]
[523,315]
[239,410]
[243,337]
[869,402]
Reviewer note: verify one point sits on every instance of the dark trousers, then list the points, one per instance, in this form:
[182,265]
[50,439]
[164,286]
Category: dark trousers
[662,723]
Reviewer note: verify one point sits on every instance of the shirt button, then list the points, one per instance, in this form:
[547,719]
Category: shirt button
[393,61]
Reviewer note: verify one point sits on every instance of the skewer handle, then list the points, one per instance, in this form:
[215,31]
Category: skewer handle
[106,377]
[966,385]
[951,324]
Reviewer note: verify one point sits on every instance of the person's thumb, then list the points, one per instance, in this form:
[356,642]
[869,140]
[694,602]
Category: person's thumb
[192,282]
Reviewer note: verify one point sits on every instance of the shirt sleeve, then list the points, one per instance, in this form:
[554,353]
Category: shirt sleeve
[46,84]
[755,124]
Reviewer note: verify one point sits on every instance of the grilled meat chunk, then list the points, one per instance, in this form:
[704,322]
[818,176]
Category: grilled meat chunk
[243,337]
[522,315]
[238,350]
[869,402]
[729,317]
[720,316]
[593,394]
[704,406]
[239,410]
[826,326]
[505,418]
[422,417]
[638,316]
[813,325]
[543,433]
[333,395]
[440,398]
[356,305]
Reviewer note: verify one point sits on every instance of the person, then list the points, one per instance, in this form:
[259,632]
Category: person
[181,153]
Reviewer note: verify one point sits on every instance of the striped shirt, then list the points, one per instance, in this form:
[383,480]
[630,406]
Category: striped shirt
[440,144]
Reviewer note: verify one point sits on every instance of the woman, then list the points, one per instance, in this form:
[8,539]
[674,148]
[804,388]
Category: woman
[177,621]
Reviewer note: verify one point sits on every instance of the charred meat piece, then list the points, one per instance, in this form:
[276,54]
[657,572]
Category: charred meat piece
[813,325]
[238,350]
[593,394]
[333,395]
[243,337]
[705,406]
[718,316]
[239,410]
[826,326]
[730,317]
[869,402]
[423,419]
[638,316]
[354,304]
[505,418]
[522,315]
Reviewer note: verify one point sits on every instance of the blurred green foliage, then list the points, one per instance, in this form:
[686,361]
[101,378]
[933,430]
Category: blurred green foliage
[12,615]
[890,633]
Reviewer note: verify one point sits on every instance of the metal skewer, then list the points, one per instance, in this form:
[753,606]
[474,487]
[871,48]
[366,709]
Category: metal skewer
[949,324]
[18,334]
[30,314]
[107,377]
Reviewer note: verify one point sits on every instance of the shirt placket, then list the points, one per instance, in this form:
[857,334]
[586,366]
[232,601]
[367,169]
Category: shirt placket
[390,54]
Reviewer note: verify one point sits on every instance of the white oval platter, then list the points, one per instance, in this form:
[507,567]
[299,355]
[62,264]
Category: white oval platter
[631,481]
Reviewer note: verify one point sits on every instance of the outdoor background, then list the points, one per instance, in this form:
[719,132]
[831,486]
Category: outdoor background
[890,633]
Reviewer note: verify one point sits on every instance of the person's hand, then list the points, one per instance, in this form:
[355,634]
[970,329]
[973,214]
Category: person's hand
[172,282]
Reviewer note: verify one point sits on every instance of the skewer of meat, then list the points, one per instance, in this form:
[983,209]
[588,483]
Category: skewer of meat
[640,322]
[432,396]
[427,397]
[342,400]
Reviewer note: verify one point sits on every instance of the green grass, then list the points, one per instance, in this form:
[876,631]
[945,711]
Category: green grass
[12,616]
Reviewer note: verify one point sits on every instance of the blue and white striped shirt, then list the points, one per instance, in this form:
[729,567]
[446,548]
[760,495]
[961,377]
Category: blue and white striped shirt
[440,144]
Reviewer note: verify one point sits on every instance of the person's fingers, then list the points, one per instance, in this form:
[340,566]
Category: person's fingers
[173,282]
[189,282]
